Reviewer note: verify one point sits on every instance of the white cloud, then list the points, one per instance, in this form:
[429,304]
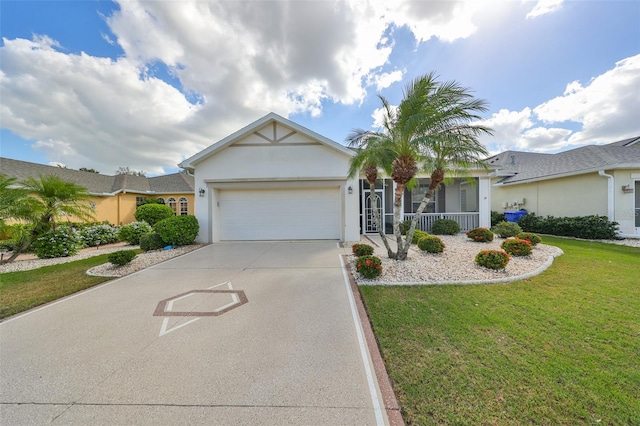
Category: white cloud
[382,81]
[93,112]
[543,7]
[607,107]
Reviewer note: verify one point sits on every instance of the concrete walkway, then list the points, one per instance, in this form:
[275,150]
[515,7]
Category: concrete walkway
[269,336]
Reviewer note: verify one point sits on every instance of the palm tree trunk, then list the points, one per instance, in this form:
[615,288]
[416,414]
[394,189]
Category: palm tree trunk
[435,181]
[397,206]
[376,216]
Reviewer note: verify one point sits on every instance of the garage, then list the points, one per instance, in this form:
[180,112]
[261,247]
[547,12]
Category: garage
[280,214]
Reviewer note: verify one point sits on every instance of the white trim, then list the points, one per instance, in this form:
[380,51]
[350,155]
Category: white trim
[364,353]
[611,206]
[191,162]
[569,174]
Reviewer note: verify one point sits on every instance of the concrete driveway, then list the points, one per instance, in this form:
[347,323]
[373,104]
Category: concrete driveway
[148,349]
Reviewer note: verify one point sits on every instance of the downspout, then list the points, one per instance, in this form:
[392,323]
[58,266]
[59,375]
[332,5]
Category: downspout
[610,200]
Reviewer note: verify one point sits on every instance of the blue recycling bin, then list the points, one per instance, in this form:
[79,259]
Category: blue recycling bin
[514,215]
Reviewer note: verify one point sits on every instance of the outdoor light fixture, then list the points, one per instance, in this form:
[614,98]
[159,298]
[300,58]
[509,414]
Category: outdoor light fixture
[350,189]
[201,192]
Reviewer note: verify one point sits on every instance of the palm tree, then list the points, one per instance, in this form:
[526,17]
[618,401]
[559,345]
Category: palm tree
[11,199]
[371,155]
[434,127]
[52,198]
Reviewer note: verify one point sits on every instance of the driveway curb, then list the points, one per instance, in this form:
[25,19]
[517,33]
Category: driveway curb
[391,405]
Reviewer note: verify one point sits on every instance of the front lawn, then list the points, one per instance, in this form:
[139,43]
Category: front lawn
[559,348]
[20,291]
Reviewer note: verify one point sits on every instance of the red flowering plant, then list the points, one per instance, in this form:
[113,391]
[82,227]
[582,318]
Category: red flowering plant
[369,266]
[493,259]
[480,235]
[362,249]
[517,247]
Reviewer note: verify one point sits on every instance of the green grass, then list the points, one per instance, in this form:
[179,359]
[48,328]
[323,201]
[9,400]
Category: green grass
[562,348]
[20,291]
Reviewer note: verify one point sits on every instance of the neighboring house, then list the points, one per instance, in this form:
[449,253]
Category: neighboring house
[599,180]
[115,198]
[276,180]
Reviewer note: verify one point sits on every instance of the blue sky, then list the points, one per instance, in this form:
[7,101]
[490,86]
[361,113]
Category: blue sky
[146,84]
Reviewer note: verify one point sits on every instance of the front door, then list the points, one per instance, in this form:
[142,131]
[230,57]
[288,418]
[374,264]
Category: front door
[371,202]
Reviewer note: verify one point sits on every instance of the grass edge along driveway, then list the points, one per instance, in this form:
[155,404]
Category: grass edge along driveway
[560,348]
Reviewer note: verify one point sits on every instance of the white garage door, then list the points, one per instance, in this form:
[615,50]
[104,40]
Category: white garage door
[280,214]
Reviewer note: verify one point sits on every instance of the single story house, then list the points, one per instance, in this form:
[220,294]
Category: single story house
[115,197]
[277,180]
[601,180]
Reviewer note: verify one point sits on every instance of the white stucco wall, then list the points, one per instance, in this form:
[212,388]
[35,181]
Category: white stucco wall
[250,163]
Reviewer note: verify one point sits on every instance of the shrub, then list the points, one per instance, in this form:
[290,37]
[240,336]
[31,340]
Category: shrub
[404,226]
[362,249]
[178,230]
[106,234]
[153,213]
[507,229]
[590,227]
[480,235]
[122,257]
[517,247]
[497,217]
[534,239]
[417,235]
[493,259]
[151,241]
[445,227]
[62,242]
[431,244]
[132,232]
[369,266]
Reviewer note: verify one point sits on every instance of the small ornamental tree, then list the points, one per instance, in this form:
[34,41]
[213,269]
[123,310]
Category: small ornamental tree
[153,213]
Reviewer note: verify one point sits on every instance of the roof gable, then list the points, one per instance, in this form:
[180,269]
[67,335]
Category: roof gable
[271,129]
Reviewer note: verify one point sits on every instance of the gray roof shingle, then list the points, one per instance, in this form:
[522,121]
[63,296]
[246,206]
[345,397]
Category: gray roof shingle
[518,166]
[99,183]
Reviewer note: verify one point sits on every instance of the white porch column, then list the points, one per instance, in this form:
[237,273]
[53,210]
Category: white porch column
[484,201]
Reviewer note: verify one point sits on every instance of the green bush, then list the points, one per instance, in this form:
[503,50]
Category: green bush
[132,232]
[178,230]
[493,259]
[153,213]
[369,266]
[122,257]
[62,242]
[445,227]
[404,226]
[151,241]
[497,217]
[507,229]
[17,235]
[417,235]
[431,244]
[362,249]
[589,227]
[480,235]
[517,247]
[106,234]
[534,239]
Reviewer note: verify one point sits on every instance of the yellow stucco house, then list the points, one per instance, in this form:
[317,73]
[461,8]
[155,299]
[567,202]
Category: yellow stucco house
[601,180]
[115,198]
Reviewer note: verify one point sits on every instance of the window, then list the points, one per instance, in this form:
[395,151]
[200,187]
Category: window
[172,204]
[140,201]
[183,207]
[161,200]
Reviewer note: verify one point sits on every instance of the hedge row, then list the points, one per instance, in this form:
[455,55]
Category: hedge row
[588,227]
